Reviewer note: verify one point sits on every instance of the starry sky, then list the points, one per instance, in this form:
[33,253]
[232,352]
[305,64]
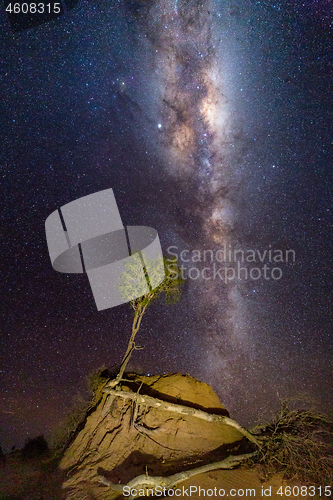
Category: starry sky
[211,121]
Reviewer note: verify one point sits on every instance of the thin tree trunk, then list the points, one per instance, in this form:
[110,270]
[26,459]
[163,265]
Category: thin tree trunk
[138,315]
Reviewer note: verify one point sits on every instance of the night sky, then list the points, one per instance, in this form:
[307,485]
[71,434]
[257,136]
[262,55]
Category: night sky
[211,121]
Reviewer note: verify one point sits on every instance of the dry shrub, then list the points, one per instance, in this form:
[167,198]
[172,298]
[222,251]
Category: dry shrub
[298,443]
[35,447]
[97,379]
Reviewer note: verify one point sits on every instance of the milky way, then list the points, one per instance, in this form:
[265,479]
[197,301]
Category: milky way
[204,57]
[200,151]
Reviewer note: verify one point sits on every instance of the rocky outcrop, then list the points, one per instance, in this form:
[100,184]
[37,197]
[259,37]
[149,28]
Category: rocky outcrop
[159,425]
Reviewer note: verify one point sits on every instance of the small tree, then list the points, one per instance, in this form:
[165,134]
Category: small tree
[170,286]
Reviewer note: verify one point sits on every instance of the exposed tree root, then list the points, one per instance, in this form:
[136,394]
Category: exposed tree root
[149,483]
[183,410]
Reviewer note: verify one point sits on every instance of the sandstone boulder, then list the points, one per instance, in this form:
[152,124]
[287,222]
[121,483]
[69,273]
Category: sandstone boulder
[125,436]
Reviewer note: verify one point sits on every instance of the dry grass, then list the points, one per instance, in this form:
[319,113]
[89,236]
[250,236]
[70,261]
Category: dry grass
[298,443]
[63,433]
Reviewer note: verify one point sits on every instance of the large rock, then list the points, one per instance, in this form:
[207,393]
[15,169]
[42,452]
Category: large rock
[122,439]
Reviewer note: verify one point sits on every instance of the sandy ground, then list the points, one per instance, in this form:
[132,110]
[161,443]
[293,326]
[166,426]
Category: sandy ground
[29,480]
[238,484]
